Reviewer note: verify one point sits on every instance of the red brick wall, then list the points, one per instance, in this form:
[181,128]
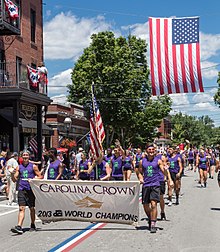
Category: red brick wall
[22,46]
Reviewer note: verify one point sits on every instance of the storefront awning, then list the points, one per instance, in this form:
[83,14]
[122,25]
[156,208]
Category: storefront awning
[31,127]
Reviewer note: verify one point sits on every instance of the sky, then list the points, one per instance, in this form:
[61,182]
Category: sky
[68,25]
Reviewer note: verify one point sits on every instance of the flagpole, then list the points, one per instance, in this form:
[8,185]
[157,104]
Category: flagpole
[94,113]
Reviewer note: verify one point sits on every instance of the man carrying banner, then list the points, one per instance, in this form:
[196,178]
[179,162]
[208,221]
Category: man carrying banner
[24,172]
[148,175]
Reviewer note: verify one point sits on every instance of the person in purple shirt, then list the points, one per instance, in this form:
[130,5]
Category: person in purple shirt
[117,162]
[148,175]
[55,169]
[191,156]
[85,168]
[23,173]
[202,164]
[108,156]
[175,169]
[127,165]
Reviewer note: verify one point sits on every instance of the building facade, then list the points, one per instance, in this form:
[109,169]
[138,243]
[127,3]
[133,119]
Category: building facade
[75,129]
[21,103]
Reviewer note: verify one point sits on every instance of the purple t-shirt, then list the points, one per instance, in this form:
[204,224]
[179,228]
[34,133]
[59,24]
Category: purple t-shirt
[151,172]
[117,166]
[174,164]
[25,172]
[127,162]
[53,170]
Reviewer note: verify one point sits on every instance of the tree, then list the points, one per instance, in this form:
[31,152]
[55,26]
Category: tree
[118,68]
[217,95]
[199,131]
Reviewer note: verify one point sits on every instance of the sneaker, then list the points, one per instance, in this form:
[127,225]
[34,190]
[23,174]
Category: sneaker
[153,229]
[17,230]
[163,216]
[177,201]
[170,203]
[205,184]
[33,227]
[149,224]
[201,185]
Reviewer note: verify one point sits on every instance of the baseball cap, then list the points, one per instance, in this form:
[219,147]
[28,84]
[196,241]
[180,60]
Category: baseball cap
[80,149]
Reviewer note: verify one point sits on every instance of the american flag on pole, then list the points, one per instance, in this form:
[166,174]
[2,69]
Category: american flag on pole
[33,144]
[97,132]
[175,55]
[12,9]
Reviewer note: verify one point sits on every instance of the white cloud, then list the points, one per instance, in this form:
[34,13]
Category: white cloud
[209,70]
[205,106]
[66,36]
[179,99]
[57,84]
[59,99]
[139,30]
[201,97]
[210,45]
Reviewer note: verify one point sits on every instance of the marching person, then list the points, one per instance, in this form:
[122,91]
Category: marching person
[24,172]
[103,169]
[175,170]
[85,167]
[202,164]
[148,175]
[55,169]
[117,162]
[11,166]
[127,165]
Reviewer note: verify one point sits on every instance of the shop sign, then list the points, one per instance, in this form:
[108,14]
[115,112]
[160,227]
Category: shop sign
[28,111]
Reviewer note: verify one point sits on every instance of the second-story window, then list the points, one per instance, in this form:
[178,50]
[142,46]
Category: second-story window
[33,25]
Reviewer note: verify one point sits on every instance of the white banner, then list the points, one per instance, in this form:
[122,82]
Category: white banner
[93,201]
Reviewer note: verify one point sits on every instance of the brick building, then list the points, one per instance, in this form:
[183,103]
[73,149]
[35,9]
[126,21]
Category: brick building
[77,128]
[21,105]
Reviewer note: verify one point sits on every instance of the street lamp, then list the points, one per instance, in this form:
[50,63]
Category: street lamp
[68,123]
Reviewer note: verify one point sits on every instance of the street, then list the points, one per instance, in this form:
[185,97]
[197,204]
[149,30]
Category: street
[191,226]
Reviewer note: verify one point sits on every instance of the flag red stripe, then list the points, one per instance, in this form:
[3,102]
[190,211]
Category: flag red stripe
[152,58]
[159,57]
[183,69]
[94,140]
[199,67]
[167,63]
[192,80]
[175,72]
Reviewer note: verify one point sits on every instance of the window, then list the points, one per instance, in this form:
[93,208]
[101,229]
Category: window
[33,25]
[18,69]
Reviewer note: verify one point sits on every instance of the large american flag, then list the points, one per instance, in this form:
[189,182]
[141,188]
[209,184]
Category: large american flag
[175,55]
[97,132]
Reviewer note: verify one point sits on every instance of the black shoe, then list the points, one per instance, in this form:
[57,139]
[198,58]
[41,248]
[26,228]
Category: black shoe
[205,184]
[33,227]
[177,201]
[149,224]
[212,177]
[209,176]
[153,229]
[163,216]
[17,230]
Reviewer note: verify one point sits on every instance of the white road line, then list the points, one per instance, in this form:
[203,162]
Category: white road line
[9,212]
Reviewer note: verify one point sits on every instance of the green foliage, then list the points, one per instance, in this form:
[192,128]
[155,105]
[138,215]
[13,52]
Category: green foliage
[118,68]
[199,131]
[217,95]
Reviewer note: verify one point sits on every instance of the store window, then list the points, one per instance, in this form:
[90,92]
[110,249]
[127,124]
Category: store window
[33,25]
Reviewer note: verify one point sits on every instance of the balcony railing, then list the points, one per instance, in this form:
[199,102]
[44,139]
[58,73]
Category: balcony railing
[8,25]
[14,75]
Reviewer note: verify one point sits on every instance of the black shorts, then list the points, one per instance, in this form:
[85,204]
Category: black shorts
[162,187]
[150,193]
[117,178]
[173,176]
[127,169]
[26,198]
[191,161]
